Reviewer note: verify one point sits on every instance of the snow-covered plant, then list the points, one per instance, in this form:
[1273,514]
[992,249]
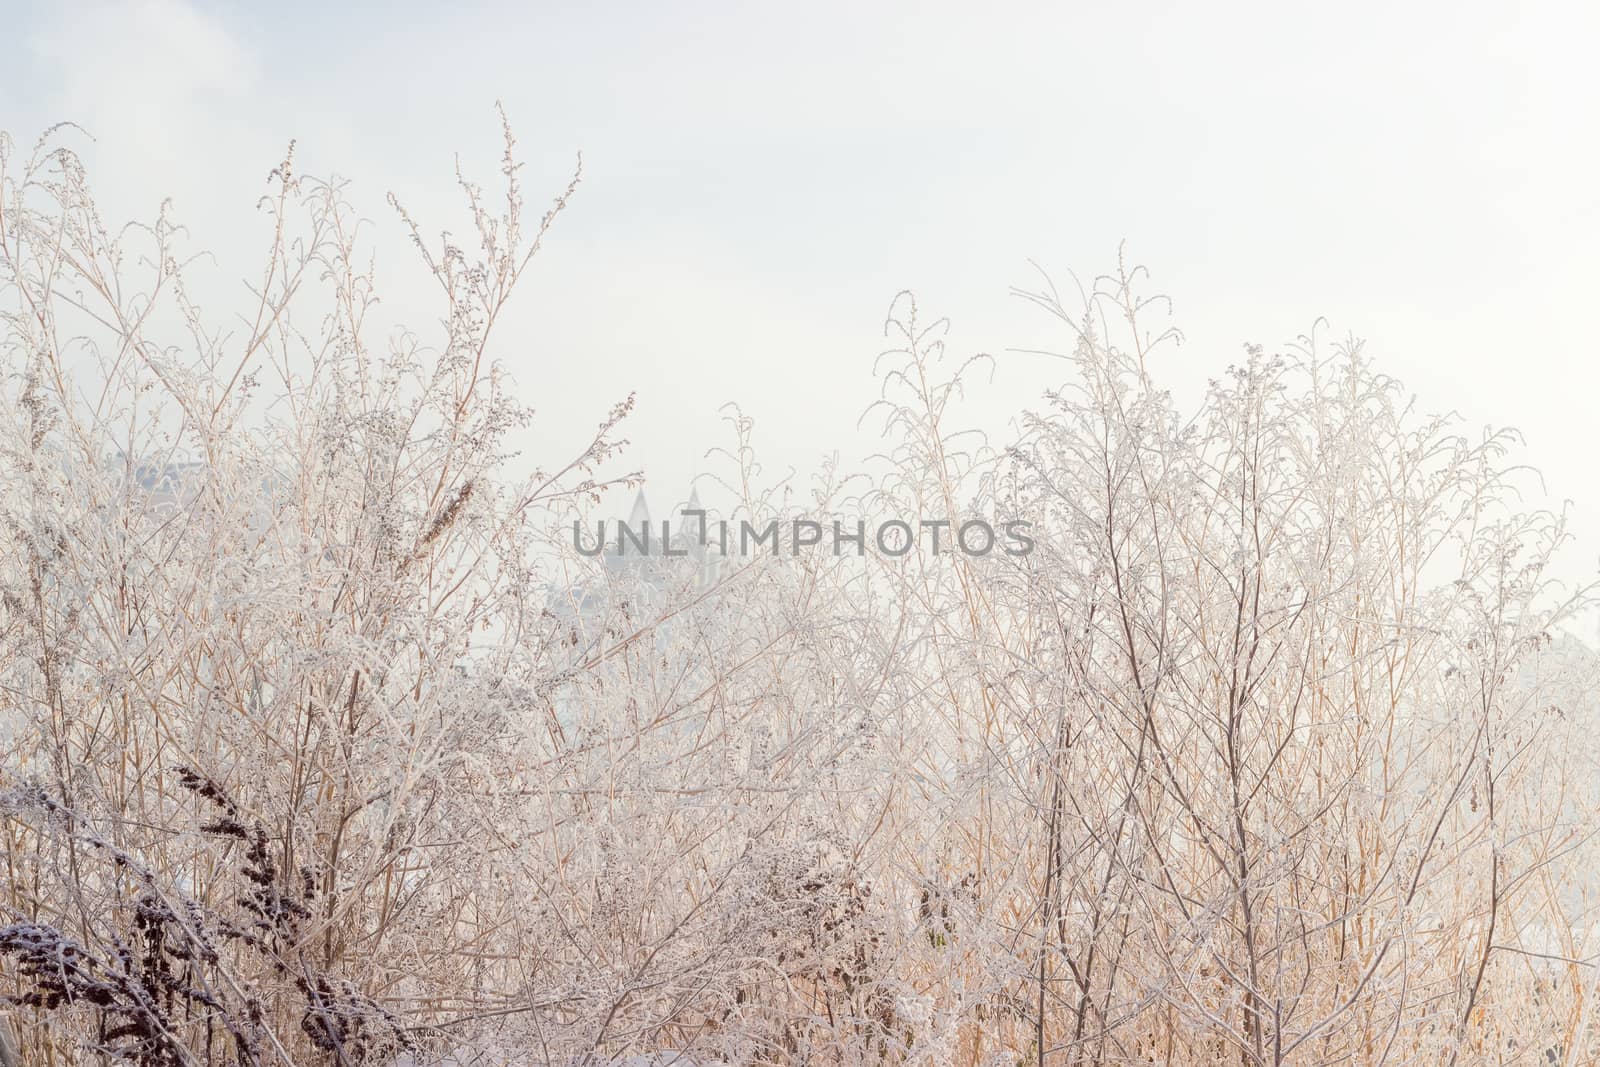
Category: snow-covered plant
[327,605]
[322,743]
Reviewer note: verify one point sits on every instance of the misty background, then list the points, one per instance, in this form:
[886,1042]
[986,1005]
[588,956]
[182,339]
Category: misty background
[760,180]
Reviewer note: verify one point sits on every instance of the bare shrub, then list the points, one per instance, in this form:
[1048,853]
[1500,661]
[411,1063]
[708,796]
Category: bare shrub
[322,744]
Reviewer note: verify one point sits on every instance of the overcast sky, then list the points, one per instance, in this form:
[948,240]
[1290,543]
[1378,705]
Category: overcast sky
[760,180]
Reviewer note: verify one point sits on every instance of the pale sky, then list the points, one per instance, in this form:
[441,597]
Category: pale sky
[762,179]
